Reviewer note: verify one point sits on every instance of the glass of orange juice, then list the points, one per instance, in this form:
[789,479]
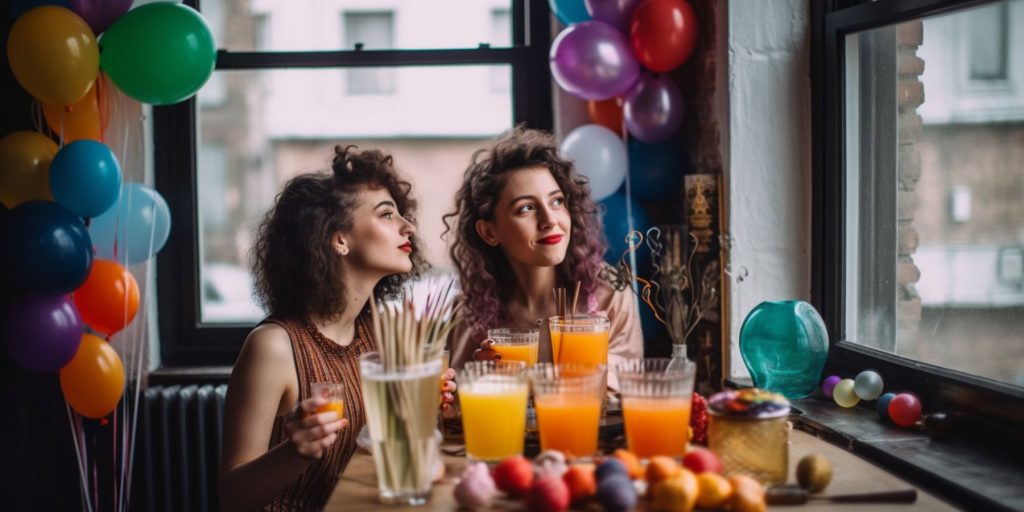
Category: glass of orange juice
[492,396]
[580,339]
[334,393]
[515,344]
[568,399]
[656,405]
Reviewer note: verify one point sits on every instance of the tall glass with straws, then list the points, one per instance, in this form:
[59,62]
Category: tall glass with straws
[516,344]
[568,401]
[656,403]
[492,395]
[579,339]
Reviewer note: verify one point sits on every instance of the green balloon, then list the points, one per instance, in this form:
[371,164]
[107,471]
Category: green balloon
[159,53]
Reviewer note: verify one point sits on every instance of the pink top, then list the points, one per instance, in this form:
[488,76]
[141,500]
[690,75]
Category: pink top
[625,340]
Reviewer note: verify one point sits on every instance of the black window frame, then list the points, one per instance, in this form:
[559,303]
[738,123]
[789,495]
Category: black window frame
[981,406]
[184,340]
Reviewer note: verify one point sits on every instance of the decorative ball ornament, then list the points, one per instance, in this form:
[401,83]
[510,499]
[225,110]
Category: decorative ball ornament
[905,409]
[843,394]
[829,384]
[868,385]
[883,405]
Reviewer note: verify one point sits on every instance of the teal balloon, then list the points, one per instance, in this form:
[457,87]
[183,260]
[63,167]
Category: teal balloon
[159,53]
[85,177]
[656,170]
[569,11]
[616,227]
[135,229]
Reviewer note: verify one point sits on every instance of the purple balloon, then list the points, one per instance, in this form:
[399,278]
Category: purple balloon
[829,384]
[653,108]
[617,13]
[593,61]
[42,332]
[100,14]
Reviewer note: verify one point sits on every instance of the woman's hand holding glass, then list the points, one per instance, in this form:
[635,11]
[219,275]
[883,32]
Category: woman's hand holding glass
[448,388]
[486,352]
[310,432]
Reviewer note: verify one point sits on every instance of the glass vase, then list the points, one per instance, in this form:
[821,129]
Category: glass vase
[784,346]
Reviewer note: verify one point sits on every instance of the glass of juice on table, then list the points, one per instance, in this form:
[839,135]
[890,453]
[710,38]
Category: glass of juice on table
[515,344]
[580,339]
[656,403]
[568,400]
[334,393]
[492,395]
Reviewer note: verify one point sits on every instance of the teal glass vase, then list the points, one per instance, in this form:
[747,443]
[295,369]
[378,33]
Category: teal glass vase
[784,345]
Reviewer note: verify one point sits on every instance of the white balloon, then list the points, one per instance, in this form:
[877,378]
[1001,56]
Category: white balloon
[600,155]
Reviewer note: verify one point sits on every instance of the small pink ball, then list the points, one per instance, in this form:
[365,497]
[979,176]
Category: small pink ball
[905,409]
[476,488]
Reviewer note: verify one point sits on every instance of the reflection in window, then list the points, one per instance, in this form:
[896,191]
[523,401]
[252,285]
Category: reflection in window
[501,36]
[987,26]
[369,31]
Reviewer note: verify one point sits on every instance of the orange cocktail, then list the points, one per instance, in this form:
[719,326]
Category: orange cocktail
[568,402]
[334,393]
[656,402]
[492,396]
[581,339]
[515,344]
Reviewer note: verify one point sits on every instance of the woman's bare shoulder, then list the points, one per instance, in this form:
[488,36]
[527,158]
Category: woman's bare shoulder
[268,343]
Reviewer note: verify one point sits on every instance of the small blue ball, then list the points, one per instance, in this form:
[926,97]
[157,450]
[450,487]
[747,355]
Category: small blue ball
[883,405]
[616,493]
[610,467]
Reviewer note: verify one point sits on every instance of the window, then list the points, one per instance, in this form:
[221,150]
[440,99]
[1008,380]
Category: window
[287,88]
[918,211]
[369,31]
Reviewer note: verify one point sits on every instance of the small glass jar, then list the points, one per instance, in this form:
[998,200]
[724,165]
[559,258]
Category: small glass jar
[749,430]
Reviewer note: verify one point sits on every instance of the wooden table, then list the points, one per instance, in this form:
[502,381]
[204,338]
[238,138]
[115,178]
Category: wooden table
[357,489]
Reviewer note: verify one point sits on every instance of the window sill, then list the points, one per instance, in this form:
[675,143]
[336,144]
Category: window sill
[962,471]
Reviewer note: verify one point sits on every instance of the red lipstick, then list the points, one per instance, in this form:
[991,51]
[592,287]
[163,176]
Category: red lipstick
[550,240]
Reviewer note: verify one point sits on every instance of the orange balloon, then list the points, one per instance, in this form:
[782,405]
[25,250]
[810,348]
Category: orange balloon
[79,121]
[109,297]
[607,113]
[93,381]
[25,167]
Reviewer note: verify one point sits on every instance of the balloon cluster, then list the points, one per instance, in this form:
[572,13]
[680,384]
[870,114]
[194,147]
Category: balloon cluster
[73,226]
[903,409]
[614,54]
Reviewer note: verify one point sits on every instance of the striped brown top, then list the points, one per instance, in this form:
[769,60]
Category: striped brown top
[318,359]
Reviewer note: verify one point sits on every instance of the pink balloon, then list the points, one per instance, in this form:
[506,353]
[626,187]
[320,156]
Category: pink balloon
[100,14]
[653,108]
[593,61]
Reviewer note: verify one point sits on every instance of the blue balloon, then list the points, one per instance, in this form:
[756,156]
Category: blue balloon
[85,177]
[569,11]
[616,227]
[656,170]
[50,249]
[135,228]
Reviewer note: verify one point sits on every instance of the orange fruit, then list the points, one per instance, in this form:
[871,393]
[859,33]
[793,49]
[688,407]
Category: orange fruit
[676,493]
[660,468]
[713,490]
[632,463]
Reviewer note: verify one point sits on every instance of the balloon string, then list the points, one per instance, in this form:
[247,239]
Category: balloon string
[78,456]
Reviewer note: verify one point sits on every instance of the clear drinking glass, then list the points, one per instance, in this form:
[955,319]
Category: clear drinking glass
[401,411]
[568,400]
[516,344]
[492,396]
[334,393]
[581,339]
[656,403]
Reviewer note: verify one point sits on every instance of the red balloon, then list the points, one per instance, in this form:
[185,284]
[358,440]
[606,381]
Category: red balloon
[905,409]
[663,33]
[607,113]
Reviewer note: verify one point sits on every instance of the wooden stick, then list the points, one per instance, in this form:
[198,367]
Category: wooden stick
[575,298]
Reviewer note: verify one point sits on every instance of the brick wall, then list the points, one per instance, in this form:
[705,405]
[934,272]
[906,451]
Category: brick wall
[909,96]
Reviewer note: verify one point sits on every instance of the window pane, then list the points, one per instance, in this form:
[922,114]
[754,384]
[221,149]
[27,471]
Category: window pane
[370,31]
[311,25]
[935,194]
[275,124]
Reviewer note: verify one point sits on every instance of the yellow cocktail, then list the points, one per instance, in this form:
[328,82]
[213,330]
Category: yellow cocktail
[656,426]
[515,344]
[581,339]
[656,402]
[568,402]
[493,396]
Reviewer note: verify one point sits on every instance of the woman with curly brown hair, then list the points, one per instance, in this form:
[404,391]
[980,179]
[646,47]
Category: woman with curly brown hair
[330,241]
[525,224]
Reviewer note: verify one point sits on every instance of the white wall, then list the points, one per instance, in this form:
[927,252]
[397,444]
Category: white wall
[769,174]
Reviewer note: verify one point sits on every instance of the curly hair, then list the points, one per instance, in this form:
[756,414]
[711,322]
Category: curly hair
[297,273]
[484,272]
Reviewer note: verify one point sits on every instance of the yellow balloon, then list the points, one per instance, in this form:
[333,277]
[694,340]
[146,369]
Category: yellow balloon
[25,167]
[93,381]
[53,54]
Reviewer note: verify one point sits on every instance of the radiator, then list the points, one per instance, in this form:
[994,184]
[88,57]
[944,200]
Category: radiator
[178,448]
